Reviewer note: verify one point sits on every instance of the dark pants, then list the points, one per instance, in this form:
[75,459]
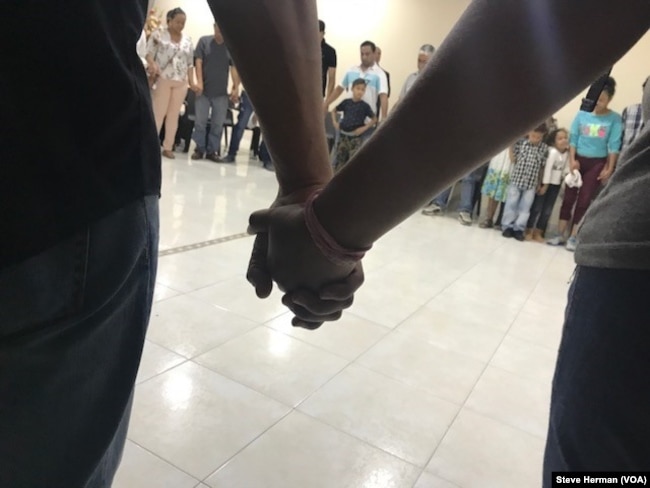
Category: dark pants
[581,197]
[72,326]
[244,117]
[600,403]
[542,208]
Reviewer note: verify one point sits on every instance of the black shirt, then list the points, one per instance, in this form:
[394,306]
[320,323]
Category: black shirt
[354,114]
[78,136]
[328,55]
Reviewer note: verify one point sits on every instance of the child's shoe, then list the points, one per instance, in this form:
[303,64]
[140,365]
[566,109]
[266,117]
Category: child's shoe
[571,244]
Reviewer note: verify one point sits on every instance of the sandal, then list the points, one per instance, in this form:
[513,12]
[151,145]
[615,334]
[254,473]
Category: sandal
[486,224]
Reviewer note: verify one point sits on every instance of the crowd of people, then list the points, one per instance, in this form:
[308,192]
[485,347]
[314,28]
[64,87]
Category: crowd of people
[175,66]
[526,179]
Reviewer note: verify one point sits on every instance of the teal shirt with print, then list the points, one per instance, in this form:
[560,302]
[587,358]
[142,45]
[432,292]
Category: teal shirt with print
[596,136]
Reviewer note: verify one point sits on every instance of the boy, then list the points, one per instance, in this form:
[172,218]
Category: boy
[528,156]
[353,124]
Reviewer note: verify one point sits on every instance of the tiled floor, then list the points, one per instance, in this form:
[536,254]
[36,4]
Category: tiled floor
[438,377]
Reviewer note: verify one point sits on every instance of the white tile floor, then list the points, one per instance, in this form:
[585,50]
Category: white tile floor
[438,377]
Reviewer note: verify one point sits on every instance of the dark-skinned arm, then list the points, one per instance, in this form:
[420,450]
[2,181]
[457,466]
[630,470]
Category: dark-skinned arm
[284,88]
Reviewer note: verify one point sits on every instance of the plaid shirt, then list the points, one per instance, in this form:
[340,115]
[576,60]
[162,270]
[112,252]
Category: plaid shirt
[632,123]
[529,159]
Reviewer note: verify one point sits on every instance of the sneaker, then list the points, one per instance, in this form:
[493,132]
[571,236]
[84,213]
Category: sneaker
[486,224]
[556,241]
[432,209]
[228,159]
[465,218]
[214,157]
[571,244]
[508,232]
[196,155]
[519,235]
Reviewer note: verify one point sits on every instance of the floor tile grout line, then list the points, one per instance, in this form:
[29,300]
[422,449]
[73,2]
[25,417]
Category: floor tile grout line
[202,244]
[487,363]
[166,461]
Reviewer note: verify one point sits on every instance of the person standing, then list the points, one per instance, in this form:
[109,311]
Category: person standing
[376,81]
[213,65]
[328,58]
[169,64]
[424,54]
[595,142]
[633,121]
[377,61]
[328,62]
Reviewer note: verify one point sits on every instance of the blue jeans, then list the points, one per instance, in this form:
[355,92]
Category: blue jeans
[72,326]
[244,117]
[215,110]
[517,209]
[600,398]
[467,188]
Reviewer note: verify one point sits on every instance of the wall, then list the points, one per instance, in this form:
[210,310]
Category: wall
[400,27]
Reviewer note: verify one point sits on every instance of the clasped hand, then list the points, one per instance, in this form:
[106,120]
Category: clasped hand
[316,290]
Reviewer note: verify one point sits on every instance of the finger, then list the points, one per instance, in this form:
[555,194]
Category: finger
[316,305]
[303,314]
[296,322]
[345,289]
[259,221]
[258,273]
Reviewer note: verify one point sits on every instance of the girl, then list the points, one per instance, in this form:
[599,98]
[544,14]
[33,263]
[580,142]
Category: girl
[594,146]
[495,186]
[170,59]
[557,166]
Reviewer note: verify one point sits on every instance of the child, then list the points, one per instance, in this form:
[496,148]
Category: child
[495,186]
[353,124]
[529,156]
[556,168]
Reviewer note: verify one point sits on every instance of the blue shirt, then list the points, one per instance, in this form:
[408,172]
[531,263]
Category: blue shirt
[596,136]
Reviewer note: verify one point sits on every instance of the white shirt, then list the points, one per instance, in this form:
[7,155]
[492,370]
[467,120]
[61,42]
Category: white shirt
[556,168]
[376,82]
[174,59]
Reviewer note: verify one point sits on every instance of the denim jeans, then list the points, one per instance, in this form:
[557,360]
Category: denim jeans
[244,117]
[467,187]
[72,326]
[601,396]
[517,210]
[213,109]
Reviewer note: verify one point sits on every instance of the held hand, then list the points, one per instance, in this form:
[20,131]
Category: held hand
[153,69]
[234,97]
[575,165]
[317,289]
[542,190]
[326,108]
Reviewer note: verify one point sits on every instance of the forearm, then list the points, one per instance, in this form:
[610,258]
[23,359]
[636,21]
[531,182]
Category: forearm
[333,95]
[383,100]
[331,77]
[234,74]
[612,158]
[198,70]
[150,59]
[572,153]
[286,89]
[190,76]
[470,80]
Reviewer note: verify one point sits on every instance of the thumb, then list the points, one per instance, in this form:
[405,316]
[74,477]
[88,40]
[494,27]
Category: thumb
[258,273]
[259,221]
